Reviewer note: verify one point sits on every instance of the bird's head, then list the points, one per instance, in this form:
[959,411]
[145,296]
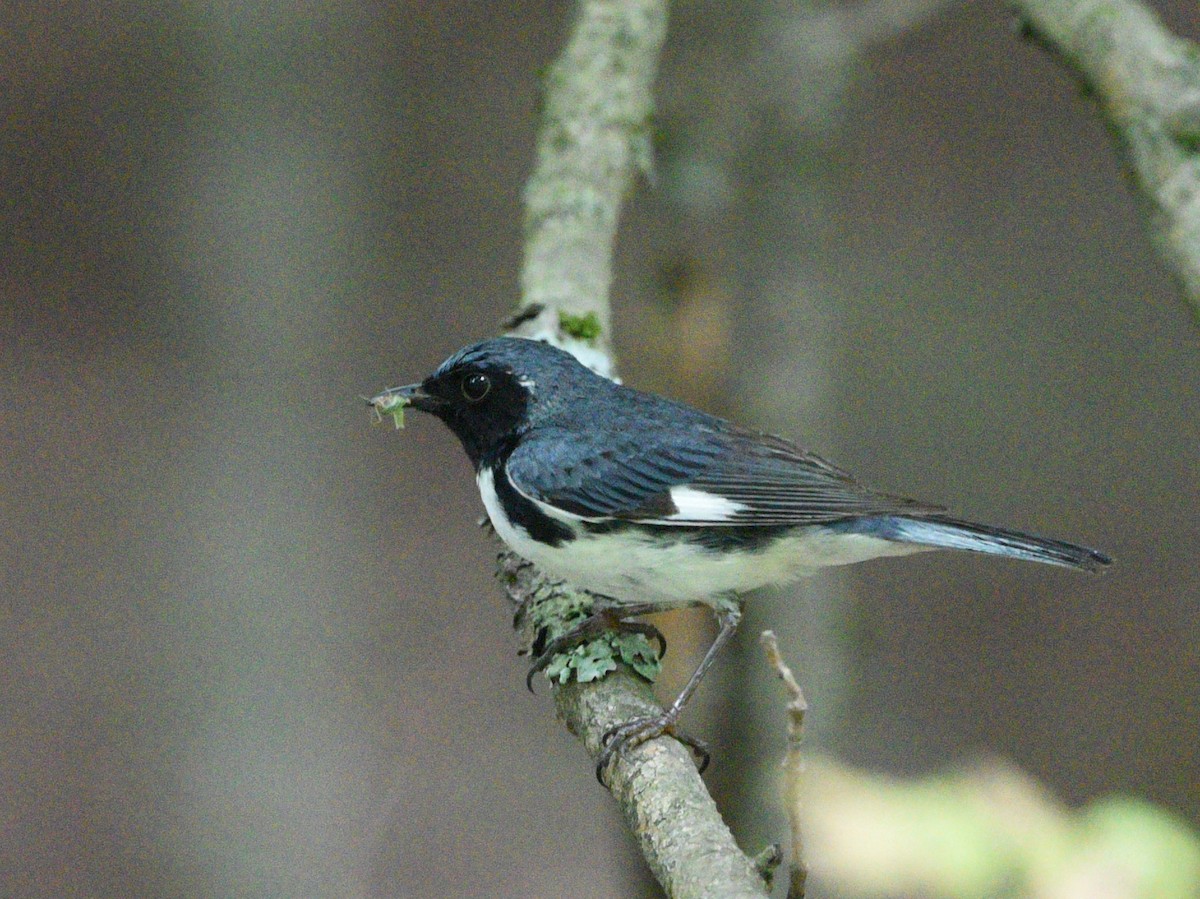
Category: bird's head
[488,393]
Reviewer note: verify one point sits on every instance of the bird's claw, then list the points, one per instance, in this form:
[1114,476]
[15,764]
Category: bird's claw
[650,632]
[539,664]
[637,731]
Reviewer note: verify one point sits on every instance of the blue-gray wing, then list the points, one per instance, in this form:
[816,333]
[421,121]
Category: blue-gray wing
[711,475]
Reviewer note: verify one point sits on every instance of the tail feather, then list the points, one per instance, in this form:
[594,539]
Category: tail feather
[952,533]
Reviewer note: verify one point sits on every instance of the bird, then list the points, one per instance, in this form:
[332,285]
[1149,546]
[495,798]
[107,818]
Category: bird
[651,504]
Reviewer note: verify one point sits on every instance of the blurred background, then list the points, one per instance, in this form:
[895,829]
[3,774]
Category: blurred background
[252,645]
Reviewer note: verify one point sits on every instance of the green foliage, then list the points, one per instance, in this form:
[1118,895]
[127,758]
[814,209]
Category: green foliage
[1188,139]
[1151,848]
[987,833]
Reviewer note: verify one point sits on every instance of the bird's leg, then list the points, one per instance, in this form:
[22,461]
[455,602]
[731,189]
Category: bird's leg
[639,730]
[605,619]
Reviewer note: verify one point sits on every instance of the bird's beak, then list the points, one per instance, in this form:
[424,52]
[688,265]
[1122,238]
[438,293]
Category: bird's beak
[397,398]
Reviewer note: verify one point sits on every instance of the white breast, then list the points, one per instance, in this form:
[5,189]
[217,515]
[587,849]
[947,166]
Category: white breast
[516,537]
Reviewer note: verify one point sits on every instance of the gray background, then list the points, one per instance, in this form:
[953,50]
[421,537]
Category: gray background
[252,645]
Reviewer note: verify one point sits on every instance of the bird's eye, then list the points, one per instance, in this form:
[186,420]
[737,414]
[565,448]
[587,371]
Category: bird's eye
[475,387]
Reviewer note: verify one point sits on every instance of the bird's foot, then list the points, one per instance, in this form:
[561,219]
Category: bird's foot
[604,621]
[637,731]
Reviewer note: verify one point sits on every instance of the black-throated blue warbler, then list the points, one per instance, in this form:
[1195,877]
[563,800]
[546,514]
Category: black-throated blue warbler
[651,504]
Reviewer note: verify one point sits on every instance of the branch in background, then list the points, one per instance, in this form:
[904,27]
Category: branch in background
[595,135]
[1147,81]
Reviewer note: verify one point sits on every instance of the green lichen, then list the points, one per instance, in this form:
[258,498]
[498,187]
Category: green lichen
[592,660]
[637,652]
[549,611]
[588,662]
[582,327]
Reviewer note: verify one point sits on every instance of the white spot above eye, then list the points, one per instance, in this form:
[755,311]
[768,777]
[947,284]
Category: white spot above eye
[697,505]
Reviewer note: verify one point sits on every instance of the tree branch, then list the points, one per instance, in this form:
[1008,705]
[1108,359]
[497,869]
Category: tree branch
[595,135]
[665,803]
[1147,82]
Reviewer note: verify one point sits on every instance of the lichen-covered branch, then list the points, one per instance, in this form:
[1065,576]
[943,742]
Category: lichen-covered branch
[669,811]
[594,137]
[1147,82]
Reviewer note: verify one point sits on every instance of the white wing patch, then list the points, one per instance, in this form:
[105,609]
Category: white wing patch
[697,505]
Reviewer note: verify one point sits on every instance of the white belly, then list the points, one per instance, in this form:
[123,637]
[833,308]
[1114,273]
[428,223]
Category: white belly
[638,567]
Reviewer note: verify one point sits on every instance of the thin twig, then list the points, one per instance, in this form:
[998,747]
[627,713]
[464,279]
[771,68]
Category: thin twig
[793,763]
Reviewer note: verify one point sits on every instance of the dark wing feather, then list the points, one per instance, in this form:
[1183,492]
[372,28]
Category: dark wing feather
[607,475]
[630,476]
[779,483]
